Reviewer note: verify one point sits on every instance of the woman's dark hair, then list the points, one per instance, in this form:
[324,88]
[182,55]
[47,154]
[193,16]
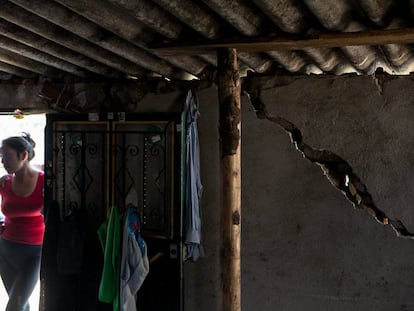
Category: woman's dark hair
[21,144]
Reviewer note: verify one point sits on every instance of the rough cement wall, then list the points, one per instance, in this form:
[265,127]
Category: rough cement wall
[304,246]
[315,251]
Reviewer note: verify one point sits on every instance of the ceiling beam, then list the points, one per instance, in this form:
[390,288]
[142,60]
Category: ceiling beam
[292,42]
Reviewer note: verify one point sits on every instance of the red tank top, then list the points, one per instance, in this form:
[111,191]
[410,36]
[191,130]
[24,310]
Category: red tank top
[23,220]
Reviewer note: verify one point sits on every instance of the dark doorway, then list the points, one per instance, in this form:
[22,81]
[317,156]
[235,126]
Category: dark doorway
[93,163]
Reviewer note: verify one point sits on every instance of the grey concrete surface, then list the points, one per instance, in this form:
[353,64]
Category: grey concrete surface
[304,246]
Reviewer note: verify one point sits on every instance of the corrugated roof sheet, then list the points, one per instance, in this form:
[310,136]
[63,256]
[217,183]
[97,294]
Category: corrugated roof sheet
[77,40]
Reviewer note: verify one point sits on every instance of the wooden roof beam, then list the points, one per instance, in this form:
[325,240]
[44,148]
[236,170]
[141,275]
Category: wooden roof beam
[292,42]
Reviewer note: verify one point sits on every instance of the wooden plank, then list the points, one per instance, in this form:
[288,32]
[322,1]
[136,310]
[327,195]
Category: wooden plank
[229,88]
[291,42]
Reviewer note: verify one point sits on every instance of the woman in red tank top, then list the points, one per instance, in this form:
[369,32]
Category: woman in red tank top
[21,192]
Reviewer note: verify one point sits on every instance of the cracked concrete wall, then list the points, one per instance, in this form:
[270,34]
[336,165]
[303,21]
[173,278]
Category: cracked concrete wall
[304,246]
[314,250]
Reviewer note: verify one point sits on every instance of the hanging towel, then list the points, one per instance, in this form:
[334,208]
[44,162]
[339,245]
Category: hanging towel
[193,187]
[134,263]
[109,234]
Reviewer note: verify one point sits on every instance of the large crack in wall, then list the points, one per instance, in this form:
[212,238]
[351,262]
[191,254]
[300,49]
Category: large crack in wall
[336,169]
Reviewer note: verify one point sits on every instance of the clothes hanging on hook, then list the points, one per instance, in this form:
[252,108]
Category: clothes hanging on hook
[109,233]
[134,260]
[193,186]
[126,263]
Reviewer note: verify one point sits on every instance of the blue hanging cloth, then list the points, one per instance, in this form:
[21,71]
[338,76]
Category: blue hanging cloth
[193,186]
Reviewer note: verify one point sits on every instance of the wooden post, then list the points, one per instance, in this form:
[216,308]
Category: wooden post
[229,88]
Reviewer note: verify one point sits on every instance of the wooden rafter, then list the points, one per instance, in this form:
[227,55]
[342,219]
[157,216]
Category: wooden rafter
[290,42]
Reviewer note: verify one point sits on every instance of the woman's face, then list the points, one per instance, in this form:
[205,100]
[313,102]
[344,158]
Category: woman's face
[10,159]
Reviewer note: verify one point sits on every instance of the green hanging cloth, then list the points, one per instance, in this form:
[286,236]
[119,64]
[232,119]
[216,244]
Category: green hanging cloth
[110,236]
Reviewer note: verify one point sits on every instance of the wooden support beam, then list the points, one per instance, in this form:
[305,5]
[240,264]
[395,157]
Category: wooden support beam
[292,42]
[229,88]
